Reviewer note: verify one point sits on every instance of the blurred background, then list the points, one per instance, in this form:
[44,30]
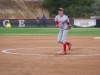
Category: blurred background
[41,13]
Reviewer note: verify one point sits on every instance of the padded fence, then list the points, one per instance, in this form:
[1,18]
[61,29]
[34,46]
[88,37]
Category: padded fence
[31,23]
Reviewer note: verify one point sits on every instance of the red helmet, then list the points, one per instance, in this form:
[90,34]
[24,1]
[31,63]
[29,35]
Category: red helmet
[60,9]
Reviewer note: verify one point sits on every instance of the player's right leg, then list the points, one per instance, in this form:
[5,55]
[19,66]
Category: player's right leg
[64,36]
[62,39]
[59,39]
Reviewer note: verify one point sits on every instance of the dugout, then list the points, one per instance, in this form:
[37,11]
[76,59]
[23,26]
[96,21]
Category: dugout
[97,23]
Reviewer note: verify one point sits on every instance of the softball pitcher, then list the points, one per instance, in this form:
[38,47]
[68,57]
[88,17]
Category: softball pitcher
[62,22]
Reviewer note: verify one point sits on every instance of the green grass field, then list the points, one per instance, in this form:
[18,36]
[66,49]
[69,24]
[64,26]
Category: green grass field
[50,31]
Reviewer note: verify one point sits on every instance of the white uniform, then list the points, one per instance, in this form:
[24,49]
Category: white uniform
[62,22]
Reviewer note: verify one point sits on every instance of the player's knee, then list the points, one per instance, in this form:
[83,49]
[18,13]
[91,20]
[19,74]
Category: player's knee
[63,41]
[59,41]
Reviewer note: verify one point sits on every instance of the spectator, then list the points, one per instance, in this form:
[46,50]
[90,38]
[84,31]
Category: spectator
[44,21]
[38,22]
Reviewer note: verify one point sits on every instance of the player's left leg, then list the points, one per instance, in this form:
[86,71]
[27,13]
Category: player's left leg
[69,45]
[59,39]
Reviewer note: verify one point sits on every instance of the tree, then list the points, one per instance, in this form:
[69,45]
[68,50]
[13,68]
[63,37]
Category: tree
[96,7]
[73,8]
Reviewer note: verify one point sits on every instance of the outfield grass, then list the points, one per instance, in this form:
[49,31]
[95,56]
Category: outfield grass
[50,31]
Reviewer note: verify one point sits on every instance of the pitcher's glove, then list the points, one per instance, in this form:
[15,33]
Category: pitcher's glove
[68,28]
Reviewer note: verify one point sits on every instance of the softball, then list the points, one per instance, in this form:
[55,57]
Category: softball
[8,26]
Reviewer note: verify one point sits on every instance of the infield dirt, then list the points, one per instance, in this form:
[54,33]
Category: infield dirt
[11,64]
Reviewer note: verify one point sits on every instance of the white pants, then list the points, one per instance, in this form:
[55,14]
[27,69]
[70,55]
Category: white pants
[62,36]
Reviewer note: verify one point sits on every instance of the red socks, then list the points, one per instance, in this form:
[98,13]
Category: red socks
[64,47]
[67,43]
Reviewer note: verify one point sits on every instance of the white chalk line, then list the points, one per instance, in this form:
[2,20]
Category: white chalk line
[97,38]
[8,51]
